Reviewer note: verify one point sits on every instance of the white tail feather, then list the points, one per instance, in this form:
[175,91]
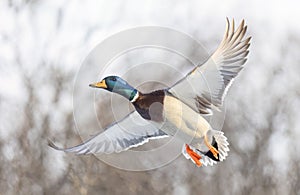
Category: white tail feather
[222,144]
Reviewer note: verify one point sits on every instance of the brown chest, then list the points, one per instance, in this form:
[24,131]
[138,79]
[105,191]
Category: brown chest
[150,106]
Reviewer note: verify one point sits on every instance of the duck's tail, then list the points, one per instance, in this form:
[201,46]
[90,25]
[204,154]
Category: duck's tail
[220,144]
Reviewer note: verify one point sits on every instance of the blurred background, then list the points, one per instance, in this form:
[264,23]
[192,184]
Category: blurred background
[42,46]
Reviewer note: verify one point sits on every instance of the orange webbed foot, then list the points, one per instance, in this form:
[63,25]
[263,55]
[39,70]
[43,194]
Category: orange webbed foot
[196,157]
[213,150]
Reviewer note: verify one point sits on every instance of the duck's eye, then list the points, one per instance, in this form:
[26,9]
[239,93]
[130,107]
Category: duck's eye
[114,79]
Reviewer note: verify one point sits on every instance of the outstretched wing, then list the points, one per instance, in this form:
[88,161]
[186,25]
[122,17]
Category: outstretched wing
[206,85]
[131,131]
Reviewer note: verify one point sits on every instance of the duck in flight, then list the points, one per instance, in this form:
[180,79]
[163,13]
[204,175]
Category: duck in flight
[179,109]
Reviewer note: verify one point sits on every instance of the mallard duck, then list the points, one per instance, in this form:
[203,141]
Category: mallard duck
[179,109]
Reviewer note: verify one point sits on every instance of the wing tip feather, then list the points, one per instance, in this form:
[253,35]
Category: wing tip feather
[52,145]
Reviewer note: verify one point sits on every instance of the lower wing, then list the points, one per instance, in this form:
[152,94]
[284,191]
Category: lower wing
[131,131]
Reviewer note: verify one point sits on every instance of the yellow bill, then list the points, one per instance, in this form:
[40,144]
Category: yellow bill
[101,84]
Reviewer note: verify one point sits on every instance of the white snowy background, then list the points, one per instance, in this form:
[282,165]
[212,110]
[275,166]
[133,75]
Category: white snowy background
[42,45]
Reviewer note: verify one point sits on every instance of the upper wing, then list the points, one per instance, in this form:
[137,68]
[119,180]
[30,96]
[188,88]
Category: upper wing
[130,132]
[206,85]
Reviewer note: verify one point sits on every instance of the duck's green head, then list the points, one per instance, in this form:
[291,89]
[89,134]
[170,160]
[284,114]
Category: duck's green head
[117,85]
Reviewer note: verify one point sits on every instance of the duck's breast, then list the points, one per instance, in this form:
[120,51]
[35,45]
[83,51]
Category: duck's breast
[180,117]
